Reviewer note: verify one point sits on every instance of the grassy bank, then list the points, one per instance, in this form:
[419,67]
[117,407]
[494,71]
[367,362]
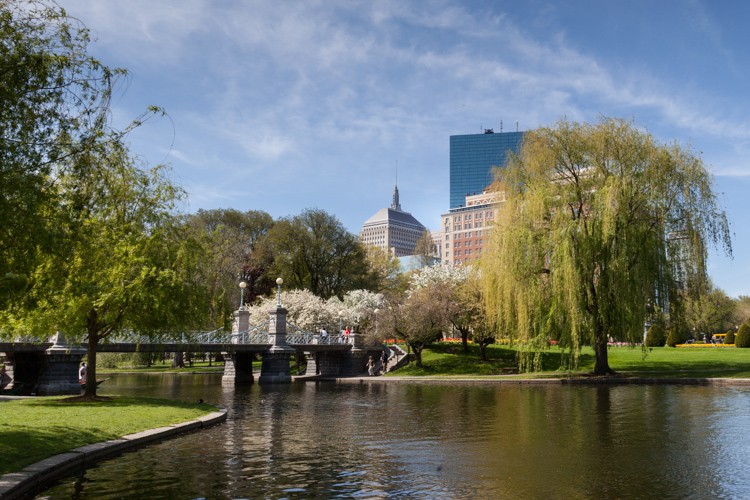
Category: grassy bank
[450,360]
[34,429]
[200,366]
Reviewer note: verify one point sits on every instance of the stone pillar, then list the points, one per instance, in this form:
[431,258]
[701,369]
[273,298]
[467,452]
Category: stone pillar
[238,367]
[240,323]
[59,373]
[275,367]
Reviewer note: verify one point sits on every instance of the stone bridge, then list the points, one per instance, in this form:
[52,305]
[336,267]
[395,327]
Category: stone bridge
[47,368]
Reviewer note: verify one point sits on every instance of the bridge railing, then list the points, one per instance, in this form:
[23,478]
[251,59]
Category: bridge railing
[295,335]
[217,336]
[257,334]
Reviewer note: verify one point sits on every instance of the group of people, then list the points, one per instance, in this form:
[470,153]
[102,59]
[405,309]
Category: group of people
[344,334]
[371,364]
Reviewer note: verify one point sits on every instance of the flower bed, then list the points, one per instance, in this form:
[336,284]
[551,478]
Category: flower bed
[704,345]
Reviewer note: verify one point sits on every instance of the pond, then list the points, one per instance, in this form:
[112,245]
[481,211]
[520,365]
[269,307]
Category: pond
[327,440]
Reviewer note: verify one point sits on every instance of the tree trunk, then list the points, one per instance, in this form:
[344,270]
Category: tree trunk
[482,353]
[418,355]
[601,366]
[91,365]
[177,360]
[464,338]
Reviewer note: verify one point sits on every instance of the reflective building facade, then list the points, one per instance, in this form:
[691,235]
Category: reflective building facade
[472,159]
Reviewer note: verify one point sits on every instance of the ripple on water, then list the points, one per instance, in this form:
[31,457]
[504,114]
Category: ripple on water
[402,441]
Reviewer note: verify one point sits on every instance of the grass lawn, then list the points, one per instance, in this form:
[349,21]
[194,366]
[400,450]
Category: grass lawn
[199,366]
[34,429]
[708,362]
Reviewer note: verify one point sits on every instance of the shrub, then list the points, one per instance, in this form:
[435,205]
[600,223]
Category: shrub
[742,339]
[729,339]
[655,336]
[675,337]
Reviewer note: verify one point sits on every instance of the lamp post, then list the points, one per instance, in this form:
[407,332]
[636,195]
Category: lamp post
[341,318]
[376,311]
[242,295]
[279,282]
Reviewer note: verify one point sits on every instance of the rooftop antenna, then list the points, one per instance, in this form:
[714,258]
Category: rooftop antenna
[516,125]
[501,126]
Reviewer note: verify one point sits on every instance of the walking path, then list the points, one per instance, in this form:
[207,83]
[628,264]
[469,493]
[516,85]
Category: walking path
[38,476]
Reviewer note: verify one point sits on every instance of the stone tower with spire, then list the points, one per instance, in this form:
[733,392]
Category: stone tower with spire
[392,229]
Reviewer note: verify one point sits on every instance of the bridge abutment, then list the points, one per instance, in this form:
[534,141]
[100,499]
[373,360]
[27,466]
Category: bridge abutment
[275,366]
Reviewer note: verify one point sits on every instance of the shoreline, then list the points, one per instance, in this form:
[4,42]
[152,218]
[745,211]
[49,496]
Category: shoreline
[507,380]
[40,475]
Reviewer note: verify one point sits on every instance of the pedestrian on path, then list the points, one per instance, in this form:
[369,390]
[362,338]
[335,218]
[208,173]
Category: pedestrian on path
[371,366]
[384,360]
[82,374]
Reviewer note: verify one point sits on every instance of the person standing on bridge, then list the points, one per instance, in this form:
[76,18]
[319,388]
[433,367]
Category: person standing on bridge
[323,334]
[345,336]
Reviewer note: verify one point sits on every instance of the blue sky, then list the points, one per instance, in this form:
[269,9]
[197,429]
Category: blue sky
[281,106]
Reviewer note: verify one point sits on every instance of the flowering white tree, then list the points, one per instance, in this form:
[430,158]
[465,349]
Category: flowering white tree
[454,275]
[358,307]
[306,311]
[458,285]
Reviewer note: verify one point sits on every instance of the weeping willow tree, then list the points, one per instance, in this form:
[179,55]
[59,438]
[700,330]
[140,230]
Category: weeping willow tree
[600,223]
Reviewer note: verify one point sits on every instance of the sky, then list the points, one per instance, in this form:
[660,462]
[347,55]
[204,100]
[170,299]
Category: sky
[285,105]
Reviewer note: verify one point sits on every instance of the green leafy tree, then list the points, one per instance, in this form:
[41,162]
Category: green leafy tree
[598,221]
[54,105]
[729,338]
[425,249]
[313,250]
[708,309]
[384,274]
[741,311]
[742,339]
[655,336]
[236,252]
[127,268]
[675,336]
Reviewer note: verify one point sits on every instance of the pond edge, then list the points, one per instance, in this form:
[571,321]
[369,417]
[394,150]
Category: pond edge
[39,476]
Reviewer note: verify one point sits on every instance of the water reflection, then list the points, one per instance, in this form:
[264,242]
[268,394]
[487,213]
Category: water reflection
[322,440]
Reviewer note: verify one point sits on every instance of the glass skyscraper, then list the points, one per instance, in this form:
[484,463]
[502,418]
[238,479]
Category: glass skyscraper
[472,159]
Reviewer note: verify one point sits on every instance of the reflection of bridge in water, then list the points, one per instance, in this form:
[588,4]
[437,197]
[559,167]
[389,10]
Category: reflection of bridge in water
[52,367]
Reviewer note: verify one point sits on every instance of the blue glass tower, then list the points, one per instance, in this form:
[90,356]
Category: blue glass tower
[472,159]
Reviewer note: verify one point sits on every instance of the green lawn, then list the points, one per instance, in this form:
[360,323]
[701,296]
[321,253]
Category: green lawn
[449,359]
[34,429]
[199,366]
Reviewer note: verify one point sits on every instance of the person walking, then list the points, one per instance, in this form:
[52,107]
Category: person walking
[323,335]
[384,360]
[370,366]
[82,374]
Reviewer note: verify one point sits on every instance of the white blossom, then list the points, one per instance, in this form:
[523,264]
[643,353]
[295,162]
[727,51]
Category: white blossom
[441,274]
